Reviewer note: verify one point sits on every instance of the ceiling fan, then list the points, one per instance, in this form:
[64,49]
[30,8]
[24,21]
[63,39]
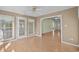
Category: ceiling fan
[36,8]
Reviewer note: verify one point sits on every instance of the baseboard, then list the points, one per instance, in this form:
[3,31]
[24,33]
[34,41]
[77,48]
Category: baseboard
[70,43]
[38,35]
[46,32]
[31,35]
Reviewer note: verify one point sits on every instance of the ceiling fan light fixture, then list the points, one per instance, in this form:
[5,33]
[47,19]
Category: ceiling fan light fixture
[34,8]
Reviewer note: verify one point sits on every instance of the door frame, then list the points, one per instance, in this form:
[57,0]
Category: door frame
[61,22]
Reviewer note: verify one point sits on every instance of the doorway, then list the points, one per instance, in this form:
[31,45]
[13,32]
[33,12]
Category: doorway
[51,31]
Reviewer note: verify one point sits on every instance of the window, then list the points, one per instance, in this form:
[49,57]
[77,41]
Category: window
[14,29]
[7,26]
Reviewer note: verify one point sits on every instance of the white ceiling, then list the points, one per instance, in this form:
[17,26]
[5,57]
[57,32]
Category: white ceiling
[27,10]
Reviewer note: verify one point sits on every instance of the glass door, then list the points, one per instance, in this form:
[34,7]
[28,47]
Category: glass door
[6,27]
[21,27]
[31,27]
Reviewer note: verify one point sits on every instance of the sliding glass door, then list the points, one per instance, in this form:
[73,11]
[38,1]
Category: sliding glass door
[14,29]
[24,27]
[6,27]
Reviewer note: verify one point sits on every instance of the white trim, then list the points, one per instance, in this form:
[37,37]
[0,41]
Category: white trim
[69,43]
[40,27]
[26,27]
[38,35]
[31,35]
[61,20]
[46,32]
[17,28]
[13,29]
